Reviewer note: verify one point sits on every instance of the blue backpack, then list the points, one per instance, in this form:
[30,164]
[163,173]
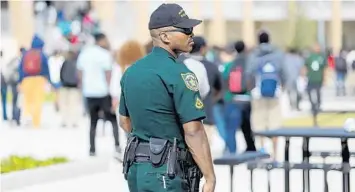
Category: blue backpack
[269,77]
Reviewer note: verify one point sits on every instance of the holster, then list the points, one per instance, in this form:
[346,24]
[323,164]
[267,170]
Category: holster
[194,176]
[129,154]
[159,149]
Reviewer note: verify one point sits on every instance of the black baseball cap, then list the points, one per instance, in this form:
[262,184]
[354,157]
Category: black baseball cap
[171,14]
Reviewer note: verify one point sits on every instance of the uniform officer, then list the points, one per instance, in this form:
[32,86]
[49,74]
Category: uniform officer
[161,107]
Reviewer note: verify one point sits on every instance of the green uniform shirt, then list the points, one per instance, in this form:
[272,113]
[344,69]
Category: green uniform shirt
[315,65]
[160,95]
[228,96]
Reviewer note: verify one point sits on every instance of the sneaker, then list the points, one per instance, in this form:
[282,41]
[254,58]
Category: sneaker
[92,154]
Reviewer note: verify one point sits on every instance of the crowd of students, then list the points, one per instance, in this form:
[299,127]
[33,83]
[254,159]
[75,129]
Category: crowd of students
[246,85]
[240,87]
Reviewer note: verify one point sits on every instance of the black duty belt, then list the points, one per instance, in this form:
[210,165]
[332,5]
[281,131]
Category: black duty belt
[142,153]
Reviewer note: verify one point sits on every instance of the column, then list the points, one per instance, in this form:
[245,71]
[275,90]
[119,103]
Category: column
[248,28]
[291,22]
[22,22]
[217,28]
[337,28]
[198,30]
[142,19]
[105,11]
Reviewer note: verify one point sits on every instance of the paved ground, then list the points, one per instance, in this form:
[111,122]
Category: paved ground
[72,143]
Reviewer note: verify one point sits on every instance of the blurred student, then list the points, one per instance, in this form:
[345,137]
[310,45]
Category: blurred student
[94,72]
[295,64]
[237,100]
[315,66]
[69,93]
[267,78]
[55,63]
[33,79]
[9,79]
[198,52]
[341,70]
[350,59]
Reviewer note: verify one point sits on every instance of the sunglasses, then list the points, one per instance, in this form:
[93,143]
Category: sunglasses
[186,31]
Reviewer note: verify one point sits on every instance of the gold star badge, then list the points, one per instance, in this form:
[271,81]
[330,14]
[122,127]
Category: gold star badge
[198,103]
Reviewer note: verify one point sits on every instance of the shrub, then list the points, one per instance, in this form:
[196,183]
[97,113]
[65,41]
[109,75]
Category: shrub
[16,163]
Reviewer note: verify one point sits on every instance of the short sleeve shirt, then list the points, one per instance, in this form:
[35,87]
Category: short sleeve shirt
[315,65]
[94,62]
[160,95]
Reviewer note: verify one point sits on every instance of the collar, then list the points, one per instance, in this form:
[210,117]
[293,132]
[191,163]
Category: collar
[162,52]
[196,57]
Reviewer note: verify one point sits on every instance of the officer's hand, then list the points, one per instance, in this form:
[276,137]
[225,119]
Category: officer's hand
[209,186]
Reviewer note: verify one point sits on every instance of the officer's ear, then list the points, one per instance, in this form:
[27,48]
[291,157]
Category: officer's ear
[164,37]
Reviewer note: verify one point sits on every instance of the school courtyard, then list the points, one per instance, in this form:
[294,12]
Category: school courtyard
[104,173]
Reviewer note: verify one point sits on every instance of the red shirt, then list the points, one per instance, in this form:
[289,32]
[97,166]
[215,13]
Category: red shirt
[331,62]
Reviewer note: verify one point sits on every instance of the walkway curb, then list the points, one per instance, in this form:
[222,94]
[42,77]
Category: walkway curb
[21,179]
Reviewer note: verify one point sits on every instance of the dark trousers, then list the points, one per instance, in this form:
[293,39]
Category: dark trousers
[95,105]
[314,94]
[238,115]
[4,87]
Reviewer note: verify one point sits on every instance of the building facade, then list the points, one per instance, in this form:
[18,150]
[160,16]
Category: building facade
[331,23]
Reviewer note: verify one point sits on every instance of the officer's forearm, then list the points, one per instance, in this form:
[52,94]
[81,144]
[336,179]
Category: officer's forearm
[125,123]
[196,139]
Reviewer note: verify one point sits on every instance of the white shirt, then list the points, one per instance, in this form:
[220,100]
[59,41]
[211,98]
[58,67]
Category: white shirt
[55,63]
[115,85]
[94,62]
[201,74]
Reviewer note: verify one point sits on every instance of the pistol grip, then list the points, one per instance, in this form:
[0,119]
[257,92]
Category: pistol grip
[171,164]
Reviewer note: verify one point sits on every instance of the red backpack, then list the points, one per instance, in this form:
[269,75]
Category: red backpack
[32,62]
[237,80]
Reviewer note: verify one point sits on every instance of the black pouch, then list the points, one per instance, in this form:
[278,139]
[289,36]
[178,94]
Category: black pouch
[159,149]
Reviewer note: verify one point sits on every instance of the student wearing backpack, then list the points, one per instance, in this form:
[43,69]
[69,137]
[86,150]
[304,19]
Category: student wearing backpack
[237,100]
[33,79]
[341,69]
[69,93]
[266,74]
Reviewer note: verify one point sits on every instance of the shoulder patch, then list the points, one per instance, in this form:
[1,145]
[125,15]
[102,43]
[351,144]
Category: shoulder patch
[190,80]
[199,103]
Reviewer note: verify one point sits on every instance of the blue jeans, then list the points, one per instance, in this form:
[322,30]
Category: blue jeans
[4,87]
[340,83]
[233,118]
[218,115]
